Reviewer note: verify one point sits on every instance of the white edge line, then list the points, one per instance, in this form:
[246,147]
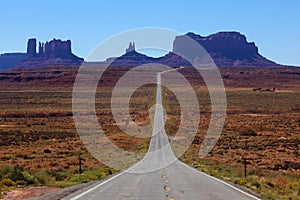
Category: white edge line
[109,179]
[197,171]
[95,187]
[227,184]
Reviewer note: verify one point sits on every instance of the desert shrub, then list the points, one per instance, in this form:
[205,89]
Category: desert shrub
[24,156]
[59,174]
[80,178]
[47,151]
[17,174]
[21,182]
[270,184]
[241,181]
[256,184]
[98,174]
[44,178]
[28,178]
[10,172]
[247,132]
[108,171]
[62,184]
[7,182]
[4,171]
[280,181]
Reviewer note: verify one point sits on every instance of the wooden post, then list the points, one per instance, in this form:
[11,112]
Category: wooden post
[245,167]
[80,169]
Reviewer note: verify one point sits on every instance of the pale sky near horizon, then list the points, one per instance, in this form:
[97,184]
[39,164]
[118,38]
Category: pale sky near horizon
[272,25]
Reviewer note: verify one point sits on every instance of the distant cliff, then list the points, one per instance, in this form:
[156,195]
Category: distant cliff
[53,53]
[227,49]
[8,60]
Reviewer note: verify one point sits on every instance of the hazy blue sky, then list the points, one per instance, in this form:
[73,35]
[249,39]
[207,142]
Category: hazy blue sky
[273,25]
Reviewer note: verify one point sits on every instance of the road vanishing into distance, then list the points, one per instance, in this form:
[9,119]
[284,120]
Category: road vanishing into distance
[160,175]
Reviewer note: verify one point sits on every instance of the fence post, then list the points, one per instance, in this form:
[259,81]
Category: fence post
[80,169]
[245,167]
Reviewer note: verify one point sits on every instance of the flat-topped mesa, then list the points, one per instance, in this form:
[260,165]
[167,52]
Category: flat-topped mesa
[225,48]
[55,49]
[53,53]
[231,45]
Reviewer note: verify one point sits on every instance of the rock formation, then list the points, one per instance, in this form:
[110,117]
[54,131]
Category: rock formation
[8,60]
[131,47]
[31,48]
[232,45]
[131,58]
[53,53]
[227,49]
[56,48]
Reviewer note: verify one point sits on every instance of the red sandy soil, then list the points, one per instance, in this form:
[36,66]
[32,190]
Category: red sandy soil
[27,192]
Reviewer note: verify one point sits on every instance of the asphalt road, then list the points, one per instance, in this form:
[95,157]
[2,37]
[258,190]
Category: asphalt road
[159,175]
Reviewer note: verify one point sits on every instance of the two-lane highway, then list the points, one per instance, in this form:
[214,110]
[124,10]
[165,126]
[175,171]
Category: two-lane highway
[159,175]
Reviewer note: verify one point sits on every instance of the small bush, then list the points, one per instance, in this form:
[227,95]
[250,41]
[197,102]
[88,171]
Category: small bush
[13,173]
[30,179]
[21,182]
[24,156]
[242,182]
[108,171]
[8,182]
[47,151]
[256,184]
[59,175]
[247,132]
[270,184]
[44,178]
[80,178]
[17,174]
[4,171]
[62,184]
[281,182]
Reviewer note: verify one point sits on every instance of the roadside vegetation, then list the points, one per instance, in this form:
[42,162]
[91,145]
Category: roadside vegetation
[12,177]
[281,184]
